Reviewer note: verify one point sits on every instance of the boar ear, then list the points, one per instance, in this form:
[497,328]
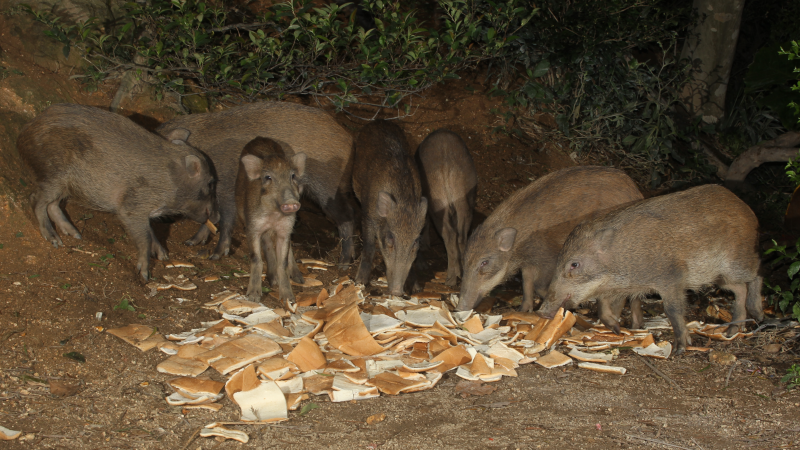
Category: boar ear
[505,238]
[193,165]
[604,239]
[178,136]
[385,204]
[299,161]
[252,166]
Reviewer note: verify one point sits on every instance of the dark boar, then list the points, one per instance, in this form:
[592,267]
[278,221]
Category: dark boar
[449,181]
[297,128]
[664,245]
[386,182]
[527,230]
[267,199]
[111,164]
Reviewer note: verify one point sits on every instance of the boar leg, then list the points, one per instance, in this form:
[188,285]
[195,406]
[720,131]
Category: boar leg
[282,246]
[139,229]
[754,306]
[368,231]
[40,201]
[637,318]
[256,265]
[674,299]
[199,237]
[529,274]
[294,271]
[609,311]
[61,221]
[227,218]
[268,244]
[450,237]
[156,249]
[740,293]
[340,210]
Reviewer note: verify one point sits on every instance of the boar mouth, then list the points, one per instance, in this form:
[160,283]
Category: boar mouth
[550,314]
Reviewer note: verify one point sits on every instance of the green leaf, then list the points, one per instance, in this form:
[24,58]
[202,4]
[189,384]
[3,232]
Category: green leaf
[307,408]
[18,234]
[541,68]
[793,269]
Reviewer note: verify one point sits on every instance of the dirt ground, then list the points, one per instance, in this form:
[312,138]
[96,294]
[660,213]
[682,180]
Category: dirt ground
[49,299]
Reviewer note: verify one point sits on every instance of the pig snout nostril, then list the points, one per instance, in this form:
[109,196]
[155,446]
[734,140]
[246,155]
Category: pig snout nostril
[290,207]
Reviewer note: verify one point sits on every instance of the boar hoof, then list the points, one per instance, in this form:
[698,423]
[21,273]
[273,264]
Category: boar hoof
[298,278]
[452,282]
[284,295]
[214,257]
[191,242]
[732,331]
[679,349]
[526,306]
[77,236]
[254,297]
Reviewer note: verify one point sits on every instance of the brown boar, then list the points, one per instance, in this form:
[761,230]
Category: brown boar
[386,182]
[109,163]
[527,230]
[664,245]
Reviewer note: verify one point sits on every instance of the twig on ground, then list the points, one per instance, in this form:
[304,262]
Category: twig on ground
[656,441]
[194,435]
[696,444]
[730,371]
[659,373]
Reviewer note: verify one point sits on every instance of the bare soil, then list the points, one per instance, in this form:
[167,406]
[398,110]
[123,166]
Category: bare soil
[49,299]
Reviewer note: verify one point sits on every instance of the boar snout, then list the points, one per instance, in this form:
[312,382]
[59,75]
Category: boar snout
[290,208]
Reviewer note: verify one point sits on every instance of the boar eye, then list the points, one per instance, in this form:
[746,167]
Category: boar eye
[484,263]
[574,265]
[267,178]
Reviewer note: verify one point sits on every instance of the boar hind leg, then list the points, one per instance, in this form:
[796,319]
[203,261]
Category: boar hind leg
[61,221]
[674,304]
[341,212]
[529,275]
[754,306]
[41,201]
[294,271]
[740,293]
[256,266]
[450,237]
[367,252]
[227,218]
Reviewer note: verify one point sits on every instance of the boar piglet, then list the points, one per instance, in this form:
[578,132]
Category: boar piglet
[527,230]
[109,163]
[449,181]
[664,245]
[386,182]
[267,199]
[298,129]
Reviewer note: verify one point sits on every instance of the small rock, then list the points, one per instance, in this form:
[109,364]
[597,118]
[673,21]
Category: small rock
[772,348]
[375,418]
[30,259]
[723,358]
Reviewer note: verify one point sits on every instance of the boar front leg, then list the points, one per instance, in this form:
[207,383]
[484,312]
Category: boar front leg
[282,247]
[450,237]
[139,229]
[256,265]
[529,275]
[156,249]
[368,231]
